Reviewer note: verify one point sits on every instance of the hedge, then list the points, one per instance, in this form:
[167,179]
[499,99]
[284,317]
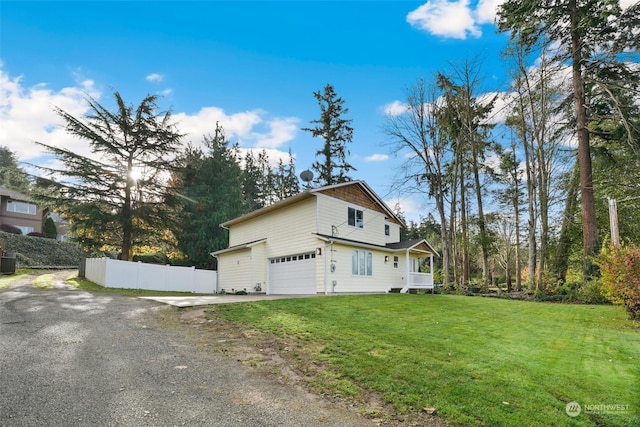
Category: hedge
[39,252]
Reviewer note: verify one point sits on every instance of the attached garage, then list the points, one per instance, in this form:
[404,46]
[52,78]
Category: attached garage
[293,274]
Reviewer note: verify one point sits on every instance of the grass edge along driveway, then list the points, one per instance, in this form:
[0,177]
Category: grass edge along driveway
[476,361]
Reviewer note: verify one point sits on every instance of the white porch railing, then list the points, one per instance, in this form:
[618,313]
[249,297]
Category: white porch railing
[418,281]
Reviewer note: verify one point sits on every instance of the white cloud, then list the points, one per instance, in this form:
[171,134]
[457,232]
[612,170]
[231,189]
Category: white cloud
[248,127]
[446,19]
[395,108]
[501,105]
[27,115]
[454,19]
[411,208]
[281,130]
[376,158]
[154,78]
[486,11]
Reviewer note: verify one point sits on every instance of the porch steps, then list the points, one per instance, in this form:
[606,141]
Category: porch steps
[399,290]
[413,289]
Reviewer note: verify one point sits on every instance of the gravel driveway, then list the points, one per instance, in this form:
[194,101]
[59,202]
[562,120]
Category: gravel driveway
[73,358]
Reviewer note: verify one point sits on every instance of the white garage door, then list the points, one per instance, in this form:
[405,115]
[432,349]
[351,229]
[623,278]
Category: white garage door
[295,274]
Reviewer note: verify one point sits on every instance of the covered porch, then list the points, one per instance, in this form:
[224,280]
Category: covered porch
[418,253]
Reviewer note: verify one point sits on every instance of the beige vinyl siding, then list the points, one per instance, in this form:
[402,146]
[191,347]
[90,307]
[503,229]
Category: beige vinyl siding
[333,215]
[258,267]
[234,271]
[394,233]
[383,277]
[288,231]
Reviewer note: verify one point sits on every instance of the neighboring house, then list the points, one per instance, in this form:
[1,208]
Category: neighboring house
[337,239]
[18,210]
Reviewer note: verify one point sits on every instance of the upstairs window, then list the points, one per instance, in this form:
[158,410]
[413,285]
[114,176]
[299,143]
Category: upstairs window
[387,230]
[21,207]
[356,218]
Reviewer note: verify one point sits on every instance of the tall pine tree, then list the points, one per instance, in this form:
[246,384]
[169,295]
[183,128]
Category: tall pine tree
[336,132]
[209,186]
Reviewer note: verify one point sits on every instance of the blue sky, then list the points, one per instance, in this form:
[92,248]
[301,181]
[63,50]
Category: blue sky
[253,66]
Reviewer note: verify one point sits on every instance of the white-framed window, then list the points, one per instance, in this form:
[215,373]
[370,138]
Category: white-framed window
[396,261]
[387,230]
[361,263]
[355,217]
[21,207]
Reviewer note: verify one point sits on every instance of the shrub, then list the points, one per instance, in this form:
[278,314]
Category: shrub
[620,276]
[36,252]
[592,292]
[50,229]
[10,229]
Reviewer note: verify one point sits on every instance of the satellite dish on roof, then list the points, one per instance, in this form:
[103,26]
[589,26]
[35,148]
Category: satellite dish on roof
[306,176]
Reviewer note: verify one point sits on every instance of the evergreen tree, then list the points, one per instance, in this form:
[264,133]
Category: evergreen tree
[12,176]
[209,187]
[119,197]
[50,229]
[336,132]
[285,180]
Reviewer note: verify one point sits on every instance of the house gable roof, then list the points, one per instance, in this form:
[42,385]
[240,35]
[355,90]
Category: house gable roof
[14,195]
[417,244]
[357,192]
[361,195]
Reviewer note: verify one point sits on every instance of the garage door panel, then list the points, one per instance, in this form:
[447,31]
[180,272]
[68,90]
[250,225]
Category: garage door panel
[292,275]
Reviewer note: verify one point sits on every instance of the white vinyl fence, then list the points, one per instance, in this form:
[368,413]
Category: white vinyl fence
[112,273]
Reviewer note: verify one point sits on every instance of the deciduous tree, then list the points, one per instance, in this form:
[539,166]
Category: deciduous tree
[592,34]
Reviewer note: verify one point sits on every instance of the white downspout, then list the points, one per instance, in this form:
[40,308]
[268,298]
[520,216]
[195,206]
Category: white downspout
[326,271]
[406,282]
[433,282]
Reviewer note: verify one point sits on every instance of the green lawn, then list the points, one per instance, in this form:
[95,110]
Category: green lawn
[477,361]
[7,279]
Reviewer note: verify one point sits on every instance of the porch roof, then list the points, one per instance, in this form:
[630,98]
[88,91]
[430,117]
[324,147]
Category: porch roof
[420,245]
[239,247]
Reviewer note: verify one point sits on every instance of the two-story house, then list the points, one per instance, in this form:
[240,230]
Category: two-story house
[336,239]
[18,210]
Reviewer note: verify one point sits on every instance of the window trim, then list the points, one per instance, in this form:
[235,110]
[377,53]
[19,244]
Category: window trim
[361,263]
[353,219]
[29,207]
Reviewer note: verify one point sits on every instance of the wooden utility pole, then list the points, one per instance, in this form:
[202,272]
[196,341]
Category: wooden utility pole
[613,221]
